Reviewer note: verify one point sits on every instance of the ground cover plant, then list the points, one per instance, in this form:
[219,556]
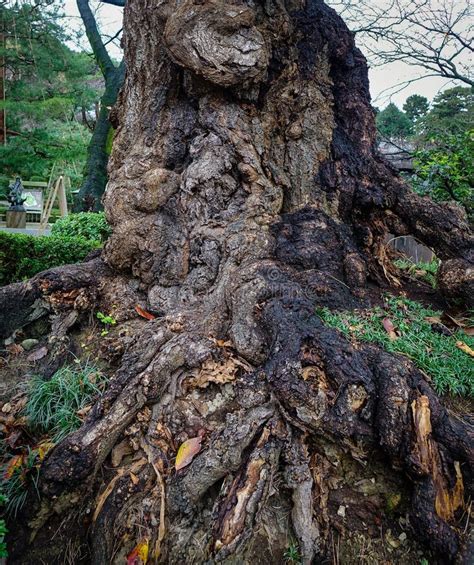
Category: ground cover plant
[418,334]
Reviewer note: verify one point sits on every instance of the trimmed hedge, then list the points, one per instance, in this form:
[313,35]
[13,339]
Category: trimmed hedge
[91,225]
[22,256]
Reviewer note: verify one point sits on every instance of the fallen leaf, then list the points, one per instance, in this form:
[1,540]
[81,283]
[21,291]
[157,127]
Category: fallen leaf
[389,328]
[187,451]
[134,478]
[14,349]
[15,463]
[433,319]
[120,451]
[143,313]
[468,331]
[44,448]
[84,411]
[13,437]
[38,354]
[139,555]
[464,347]
[219,373]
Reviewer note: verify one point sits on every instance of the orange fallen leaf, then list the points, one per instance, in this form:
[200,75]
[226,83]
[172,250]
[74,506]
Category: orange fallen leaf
[187,451]
[43,449]
[143,313]
[15,463]
[139,555]
[389,328]
[464,347]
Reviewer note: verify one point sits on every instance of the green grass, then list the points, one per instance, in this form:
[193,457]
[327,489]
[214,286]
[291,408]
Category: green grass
[422,271]
[3,530]
[53,404]
[450,369]
[16,480]
[292,554]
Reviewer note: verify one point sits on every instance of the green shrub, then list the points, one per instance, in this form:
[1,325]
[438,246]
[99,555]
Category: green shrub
[90,225]
[22,256]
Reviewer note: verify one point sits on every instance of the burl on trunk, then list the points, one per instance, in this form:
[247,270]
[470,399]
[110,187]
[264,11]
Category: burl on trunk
[245,191]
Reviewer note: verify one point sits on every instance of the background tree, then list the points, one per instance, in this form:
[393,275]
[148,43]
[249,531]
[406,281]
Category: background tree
[48,89]
[245,194]
[95,174]
[392,123]
[416,107]
[435,37]
[452,113]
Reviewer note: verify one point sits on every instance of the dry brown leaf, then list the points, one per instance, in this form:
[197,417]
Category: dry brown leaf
[219,373]
[134,478]
[83,411]
[433,319]
[464,347]
[187,451]
[14,349]
[389,328]
[119,452]
[38,354]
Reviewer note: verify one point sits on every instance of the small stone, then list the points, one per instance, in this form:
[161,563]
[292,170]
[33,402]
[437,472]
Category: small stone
[295,131]
[342,511]
[7,408]
[402,536]
[28,344]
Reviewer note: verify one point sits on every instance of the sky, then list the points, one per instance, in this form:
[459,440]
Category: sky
[384,81]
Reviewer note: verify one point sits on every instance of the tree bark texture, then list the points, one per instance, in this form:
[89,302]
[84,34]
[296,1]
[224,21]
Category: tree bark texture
[244,192]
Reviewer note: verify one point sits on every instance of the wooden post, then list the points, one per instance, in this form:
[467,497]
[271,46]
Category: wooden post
[62,198]
[49,205]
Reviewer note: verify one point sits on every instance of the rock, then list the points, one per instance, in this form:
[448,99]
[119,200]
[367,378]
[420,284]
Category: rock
[28,344]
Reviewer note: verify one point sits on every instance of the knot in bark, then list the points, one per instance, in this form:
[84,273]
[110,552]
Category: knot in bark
[218,41]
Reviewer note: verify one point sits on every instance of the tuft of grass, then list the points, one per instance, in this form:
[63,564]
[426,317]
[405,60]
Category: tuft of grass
[451,369]
[3,530]
[425,272]
[19,473]
[292,554]
[53,404]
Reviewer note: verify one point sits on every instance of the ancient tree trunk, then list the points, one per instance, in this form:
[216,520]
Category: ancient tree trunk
[245,192]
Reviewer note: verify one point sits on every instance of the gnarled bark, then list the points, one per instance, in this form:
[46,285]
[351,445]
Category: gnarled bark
[245,191]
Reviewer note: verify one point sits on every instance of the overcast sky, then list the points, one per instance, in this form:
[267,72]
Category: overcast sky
[384,81]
